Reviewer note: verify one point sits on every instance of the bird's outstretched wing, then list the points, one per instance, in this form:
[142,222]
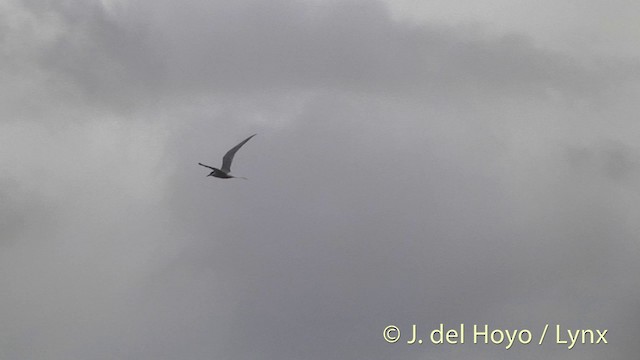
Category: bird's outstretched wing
[207,166]
[228,157]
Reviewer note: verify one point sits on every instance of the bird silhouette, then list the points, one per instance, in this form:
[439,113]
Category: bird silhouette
[224,171]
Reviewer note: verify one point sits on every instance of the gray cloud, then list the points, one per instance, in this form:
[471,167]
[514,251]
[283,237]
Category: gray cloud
[616,161]
[403,173]
[150,51]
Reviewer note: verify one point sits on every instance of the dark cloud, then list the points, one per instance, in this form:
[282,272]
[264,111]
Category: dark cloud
[22,213]
[402,173]
[613,160]
[149,52]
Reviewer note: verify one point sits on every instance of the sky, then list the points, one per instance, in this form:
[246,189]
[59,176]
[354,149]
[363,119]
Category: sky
[417,162]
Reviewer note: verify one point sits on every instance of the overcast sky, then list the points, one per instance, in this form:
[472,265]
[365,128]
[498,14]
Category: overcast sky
[417,162]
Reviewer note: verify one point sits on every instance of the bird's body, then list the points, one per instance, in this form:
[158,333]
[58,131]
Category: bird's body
[224,171]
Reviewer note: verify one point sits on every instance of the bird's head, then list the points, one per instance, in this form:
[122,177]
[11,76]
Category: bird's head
[211,174]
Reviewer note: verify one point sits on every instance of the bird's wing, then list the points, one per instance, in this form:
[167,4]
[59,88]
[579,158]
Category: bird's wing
[207,166]
[228,157]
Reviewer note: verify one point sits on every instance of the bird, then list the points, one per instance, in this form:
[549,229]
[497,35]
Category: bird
[224,171]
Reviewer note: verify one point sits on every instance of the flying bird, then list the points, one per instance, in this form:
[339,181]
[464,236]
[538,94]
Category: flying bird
[224,171]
